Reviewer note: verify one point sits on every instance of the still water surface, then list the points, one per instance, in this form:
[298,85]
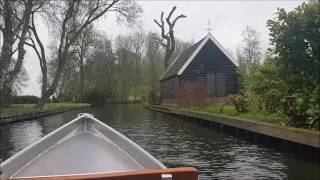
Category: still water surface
[175,142]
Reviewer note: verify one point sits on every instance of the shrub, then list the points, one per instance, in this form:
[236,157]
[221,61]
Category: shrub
[153,97]
[303,110]
[267,88]
[192,94]
[298,60]
[255,102]
[240,102]
[25,99]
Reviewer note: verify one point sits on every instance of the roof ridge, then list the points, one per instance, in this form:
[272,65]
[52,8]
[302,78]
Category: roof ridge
[183,60]
[174,62]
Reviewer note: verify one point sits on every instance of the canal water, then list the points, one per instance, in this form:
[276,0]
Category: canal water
[175,142]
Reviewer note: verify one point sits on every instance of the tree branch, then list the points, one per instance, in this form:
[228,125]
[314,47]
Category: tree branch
[160,41]
[157,23]
[170,40]
[170,14]
[176,19]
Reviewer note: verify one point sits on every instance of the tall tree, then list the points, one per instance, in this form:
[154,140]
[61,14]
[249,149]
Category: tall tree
[249,53]
[154,60]
[101,72]
[73,17]
[127,69]
[170,43]
[81,48]
[136,43]
[15,17]
[295,39]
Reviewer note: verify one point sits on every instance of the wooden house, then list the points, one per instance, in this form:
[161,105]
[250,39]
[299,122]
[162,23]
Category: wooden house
[206,62]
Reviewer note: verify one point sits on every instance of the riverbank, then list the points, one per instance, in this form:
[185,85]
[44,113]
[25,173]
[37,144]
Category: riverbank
[175,142]
[19,112]
[302,136]
[230,111]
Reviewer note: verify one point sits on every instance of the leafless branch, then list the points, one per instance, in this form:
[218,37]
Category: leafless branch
[160,41]
[169,37]
[176,19]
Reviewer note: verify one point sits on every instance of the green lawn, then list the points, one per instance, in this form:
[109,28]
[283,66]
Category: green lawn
[22,109]
[229,110]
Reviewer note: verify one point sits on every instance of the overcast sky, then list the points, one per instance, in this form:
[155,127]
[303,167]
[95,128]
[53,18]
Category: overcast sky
[227,18]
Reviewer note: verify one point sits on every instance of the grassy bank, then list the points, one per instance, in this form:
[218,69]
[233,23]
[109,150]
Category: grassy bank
[249,122]
[230,111]
[26,109]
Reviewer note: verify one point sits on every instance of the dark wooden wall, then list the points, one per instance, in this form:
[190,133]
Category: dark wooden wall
[168,90]
[211,59]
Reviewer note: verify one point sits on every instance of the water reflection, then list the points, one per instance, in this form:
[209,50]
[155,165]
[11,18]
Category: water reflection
[20,136]
[27,134]
[16,136]
[175,142]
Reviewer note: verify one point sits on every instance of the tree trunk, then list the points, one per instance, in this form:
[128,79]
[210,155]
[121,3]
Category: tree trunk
[170,40]
[81,79]
[166,60]
[44,83]
[49,91]
[6,55]
[8,40]
[42,101]
[5,97]
[63,55]
[21,51]
[8,78]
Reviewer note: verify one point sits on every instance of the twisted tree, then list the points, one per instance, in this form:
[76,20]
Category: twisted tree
[169,43]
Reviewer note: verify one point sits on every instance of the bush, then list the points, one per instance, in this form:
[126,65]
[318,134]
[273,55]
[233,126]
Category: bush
[192,94]
[153,97]
[267,88]
[298,61]
[255,102]
[303,110]
[240,102]
[25,99]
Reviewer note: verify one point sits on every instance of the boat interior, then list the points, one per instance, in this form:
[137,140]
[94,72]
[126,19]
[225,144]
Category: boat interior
[86,148]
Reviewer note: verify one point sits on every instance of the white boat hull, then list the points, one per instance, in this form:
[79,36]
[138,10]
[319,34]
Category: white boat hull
[83,146]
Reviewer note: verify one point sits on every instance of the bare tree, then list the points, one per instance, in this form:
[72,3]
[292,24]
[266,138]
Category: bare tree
[136,43]
[249,53]
[20,80]
[180,46]
[169,39]
[73,17]
[101,72]
[81,48]
[15,17]
[154,67]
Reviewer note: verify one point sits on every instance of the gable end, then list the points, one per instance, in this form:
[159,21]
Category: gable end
[220,47]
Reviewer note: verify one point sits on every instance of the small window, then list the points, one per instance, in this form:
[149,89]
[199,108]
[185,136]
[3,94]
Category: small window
[220,83]
[216,84]
[211,84]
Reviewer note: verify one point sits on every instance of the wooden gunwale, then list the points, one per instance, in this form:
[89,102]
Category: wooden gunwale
[185,173]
